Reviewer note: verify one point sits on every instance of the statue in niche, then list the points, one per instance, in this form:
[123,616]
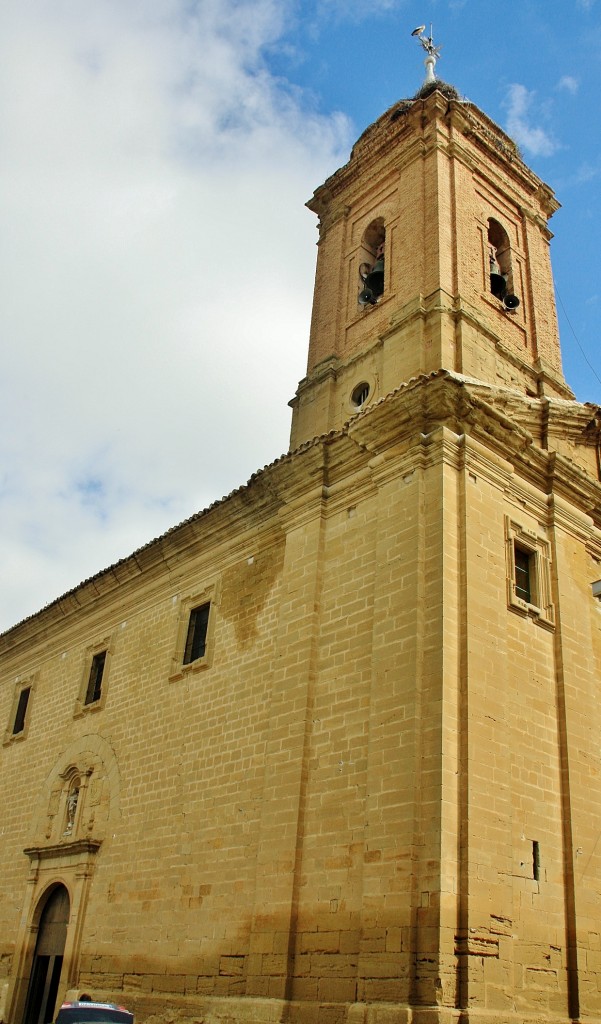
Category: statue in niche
[71,809]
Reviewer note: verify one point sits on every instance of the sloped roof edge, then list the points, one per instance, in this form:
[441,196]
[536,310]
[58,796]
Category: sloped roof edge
[197,516]
[327,438]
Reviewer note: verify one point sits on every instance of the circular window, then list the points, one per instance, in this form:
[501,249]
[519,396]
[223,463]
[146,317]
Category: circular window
[360,394]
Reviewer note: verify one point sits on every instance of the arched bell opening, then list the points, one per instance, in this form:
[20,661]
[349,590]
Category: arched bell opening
[500,267]
[371,266]
[48,956]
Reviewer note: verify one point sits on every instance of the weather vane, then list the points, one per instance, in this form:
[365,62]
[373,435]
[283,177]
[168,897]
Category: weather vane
[432,51]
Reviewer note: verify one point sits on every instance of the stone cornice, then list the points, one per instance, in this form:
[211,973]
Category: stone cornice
[73,848]
[478,458]
[445,400]
[369,149]
[463,125]
[327,369]
[300,483]
[474,124]
[569,518]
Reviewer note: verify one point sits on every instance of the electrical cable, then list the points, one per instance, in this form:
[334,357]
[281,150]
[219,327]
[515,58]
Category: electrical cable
[584,355]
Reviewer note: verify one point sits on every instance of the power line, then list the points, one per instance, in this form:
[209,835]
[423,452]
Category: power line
[584,355]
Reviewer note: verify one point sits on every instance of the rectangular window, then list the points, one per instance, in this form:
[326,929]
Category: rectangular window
[196,637]
[19,722]
[94,688]
[523,573]
[528,561]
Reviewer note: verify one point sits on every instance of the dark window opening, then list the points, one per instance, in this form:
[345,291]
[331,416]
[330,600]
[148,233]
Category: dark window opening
[196,639]
[94,689]
[19,723]
[523,573]
[371,269]
[500,268]
[535,861]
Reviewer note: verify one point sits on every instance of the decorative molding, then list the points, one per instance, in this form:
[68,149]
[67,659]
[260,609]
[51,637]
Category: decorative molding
[540,608]
[71,848]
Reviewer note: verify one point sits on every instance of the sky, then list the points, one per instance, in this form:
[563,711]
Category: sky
[156,256]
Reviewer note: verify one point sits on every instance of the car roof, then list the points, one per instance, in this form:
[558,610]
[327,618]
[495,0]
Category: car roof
[92,1002]
[88,1010]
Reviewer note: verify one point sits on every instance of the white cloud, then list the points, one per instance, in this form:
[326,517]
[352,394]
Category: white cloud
[583,174]
[532,138]
[357,7]
[156,272]
[354,10]
[568,84]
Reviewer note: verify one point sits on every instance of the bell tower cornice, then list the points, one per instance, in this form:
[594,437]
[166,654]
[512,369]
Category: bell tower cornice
[435,211]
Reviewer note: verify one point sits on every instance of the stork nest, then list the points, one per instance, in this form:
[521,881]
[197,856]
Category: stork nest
[429,87]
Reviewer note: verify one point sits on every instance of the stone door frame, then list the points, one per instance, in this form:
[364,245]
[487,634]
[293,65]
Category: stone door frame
[72,866]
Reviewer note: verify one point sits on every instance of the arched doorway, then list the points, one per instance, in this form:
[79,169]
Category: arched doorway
[48,959]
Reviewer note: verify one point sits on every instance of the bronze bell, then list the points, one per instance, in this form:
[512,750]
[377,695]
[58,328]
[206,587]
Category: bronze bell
[498,284]
[374,284]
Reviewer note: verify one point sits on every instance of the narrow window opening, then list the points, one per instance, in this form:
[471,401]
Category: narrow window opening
[19,722]
[501,272]
[196,638]
[535,861]
[94,688]
[523,573]
[371,268]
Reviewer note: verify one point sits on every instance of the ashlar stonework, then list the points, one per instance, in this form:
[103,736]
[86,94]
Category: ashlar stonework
[372,792]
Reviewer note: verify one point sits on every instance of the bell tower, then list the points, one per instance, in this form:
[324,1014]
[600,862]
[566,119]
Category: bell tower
[461,505]
[433,254]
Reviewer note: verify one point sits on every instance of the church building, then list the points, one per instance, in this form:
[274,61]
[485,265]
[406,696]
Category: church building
[328,751]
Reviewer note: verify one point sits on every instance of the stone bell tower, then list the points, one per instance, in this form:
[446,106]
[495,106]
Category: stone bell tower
[437,195]
[434,353]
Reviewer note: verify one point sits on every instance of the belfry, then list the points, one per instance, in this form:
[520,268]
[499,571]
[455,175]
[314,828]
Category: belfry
[464,274]
[328,751]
